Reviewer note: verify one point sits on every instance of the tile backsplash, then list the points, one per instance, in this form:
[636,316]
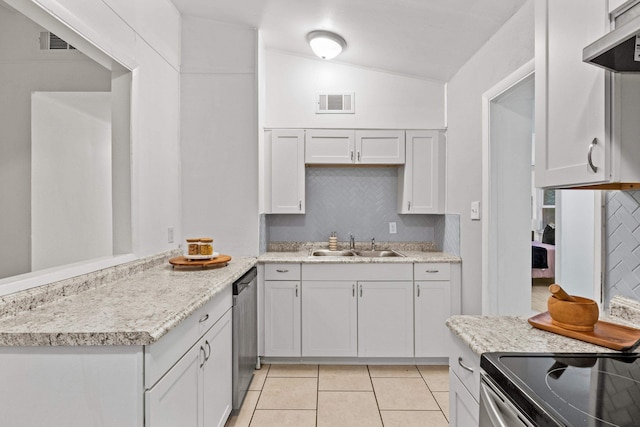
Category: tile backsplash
[354,200]
[622,245]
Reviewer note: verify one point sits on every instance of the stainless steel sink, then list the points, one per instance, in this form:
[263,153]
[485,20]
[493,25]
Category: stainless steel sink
[378,254]
[327,252]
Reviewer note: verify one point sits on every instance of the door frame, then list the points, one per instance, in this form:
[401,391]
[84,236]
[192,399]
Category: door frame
[490,288]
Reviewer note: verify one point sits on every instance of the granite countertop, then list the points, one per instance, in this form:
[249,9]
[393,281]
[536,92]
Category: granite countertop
[514,334]
[137,309]
[299,252]
[409,258]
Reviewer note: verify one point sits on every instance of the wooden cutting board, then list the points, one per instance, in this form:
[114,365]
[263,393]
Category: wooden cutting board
[219,261]
[605,334]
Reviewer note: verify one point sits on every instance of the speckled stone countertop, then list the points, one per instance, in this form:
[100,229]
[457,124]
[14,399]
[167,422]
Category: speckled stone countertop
[514,334]
[136,309]
[299,253]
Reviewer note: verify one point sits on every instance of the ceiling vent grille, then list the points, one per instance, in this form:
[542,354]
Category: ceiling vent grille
[49,41]
[335,103]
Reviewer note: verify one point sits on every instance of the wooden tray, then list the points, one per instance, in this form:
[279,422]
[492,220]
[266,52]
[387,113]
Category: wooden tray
[219,261]
[605,334]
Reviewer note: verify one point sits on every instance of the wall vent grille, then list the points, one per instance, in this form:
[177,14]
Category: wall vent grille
[335,103]
[49,41]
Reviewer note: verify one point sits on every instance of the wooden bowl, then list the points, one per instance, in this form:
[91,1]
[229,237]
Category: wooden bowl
[580,315]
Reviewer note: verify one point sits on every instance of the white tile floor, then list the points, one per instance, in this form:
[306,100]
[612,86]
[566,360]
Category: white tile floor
[346,396]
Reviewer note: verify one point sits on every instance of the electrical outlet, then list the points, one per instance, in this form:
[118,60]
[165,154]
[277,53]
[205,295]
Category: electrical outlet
[392,228]
[170,234]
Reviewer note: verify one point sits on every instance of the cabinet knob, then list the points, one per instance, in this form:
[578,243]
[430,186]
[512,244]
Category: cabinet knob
[207,352]
[432,271]
[409,205]
[204,356]
[353,290]
[296,291]
[351,155]
[360,291]
[358,157]
[282,271]
[300,205]
[418,288]
[204,318]
[589,153]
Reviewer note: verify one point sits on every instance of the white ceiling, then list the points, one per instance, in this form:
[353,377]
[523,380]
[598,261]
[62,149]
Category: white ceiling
[428,39]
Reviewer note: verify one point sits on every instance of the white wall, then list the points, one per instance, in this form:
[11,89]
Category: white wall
[219,134]
[145,36]
[71,160]
[24,69]
[382,100]
[511,47]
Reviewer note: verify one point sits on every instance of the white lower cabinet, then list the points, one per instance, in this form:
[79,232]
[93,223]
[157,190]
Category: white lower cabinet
[329,319]
[385,319]
[464,410]
[196,391]
[464,384]
[282,318]
[432,308]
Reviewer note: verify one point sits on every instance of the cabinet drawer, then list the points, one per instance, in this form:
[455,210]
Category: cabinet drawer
[432,271]
[164,353]
[466,365]
[372,272]
[282,272]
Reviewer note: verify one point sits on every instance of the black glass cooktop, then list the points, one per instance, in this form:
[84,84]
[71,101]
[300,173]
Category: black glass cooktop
[570,389]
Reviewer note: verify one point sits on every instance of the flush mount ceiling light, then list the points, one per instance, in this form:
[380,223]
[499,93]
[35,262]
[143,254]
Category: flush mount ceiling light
[325,44]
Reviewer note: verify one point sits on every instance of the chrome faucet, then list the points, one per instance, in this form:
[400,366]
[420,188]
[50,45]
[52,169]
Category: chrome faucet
[373,243]
[352,242]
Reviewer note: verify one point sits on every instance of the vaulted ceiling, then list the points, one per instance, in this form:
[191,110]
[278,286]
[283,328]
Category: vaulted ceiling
[427,39]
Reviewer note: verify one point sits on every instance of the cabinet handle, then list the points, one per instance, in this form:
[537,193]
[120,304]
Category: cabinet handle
[296,291]
[282,271]
[360,291]
[358,157]
[353,290]
[465,367]
[418,286]
[204,318]
[409,205]
[589,160]
[351,155]
[204,358]
[300,205]
[432,271]
[206,355]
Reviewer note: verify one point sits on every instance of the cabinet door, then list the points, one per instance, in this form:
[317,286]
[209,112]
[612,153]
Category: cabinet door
[385,319]
[287,171]
[380,147]
[432,309]
[282,318]
[571,114]
[463,409]
[422,180]
[174,400]
[217,373]
[329,319]
[324,146]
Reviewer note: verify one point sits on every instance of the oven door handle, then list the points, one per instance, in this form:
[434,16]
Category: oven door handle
[492,403]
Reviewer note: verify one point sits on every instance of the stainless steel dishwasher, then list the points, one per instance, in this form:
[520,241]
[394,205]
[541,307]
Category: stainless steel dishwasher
[245,334]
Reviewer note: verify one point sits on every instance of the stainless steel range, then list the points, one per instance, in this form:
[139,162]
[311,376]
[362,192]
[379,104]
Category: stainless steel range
[561,389]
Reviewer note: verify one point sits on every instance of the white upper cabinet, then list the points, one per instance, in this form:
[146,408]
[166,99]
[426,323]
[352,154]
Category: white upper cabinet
[421,182]
[287,171]
[327,146]
[380,147]
[586,117]
[366,147]
[572,113]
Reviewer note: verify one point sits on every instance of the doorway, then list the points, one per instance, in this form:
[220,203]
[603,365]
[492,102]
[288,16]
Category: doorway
[508,117]
[510,212]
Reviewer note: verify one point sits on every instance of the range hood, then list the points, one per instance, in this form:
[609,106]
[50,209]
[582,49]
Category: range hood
[618,51]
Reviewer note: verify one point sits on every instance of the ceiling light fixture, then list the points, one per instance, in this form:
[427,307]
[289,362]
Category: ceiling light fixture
[325,44]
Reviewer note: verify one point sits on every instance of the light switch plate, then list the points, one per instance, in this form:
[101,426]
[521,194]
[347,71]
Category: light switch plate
[475,210]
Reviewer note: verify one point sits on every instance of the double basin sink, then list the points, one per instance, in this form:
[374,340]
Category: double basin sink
[355,253]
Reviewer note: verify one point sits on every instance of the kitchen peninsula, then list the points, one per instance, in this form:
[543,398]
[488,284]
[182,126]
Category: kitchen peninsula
[119,346]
